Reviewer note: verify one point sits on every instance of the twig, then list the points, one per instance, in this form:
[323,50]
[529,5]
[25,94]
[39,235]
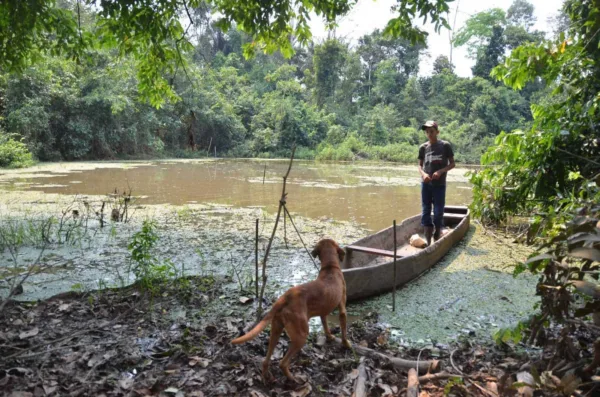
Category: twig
[285,229]
[439,376]
[256,258]
[454,365]
[268,250]
[302,241]
[394,285]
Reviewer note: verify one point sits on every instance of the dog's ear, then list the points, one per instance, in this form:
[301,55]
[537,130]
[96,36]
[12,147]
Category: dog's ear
[341,254]
[315,252]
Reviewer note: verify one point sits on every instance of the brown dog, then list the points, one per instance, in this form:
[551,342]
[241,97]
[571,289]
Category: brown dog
[293,309]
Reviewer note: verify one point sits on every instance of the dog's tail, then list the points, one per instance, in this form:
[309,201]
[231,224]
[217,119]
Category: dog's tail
[253,333]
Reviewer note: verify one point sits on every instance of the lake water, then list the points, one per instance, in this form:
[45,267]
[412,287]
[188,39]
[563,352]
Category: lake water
[372,195]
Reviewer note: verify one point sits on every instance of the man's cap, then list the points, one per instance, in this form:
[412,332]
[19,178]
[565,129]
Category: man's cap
[429,123]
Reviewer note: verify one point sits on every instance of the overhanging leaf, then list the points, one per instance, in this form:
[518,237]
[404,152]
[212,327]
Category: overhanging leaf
[540,257]
[589,253]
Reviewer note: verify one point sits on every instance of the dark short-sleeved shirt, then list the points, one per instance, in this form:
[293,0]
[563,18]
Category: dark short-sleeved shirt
[435,157]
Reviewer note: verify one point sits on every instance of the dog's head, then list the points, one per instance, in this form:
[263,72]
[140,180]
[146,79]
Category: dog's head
[324,244]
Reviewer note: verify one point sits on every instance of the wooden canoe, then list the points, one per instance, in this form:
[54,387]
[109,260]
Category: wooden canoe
[368,266]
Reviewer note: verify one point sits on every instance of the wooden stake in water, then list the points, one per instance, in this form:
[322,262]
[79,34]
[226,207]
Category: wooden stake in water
[264,174]
[394,290]
[256,259]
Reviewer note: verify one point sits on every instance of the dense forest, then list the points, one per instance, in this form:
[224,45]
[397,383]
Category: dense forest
[334,100]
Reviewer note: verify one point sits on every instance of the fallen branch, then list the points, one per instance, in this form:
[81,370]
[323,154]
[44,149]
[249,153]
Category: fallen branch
[399,363]
[413,383]
[360,387]
[439,376]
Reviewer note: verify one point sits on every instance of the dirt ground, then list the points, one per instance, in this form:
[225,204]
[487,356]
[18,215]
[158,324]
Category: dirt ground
[176,343]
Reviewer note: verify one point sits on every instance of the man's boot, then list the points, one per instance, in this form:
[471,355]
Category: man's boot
[428,233]
[437,234]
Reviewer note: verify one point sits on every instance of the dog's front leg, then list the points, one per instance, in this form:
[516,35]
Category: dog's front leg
[328,334]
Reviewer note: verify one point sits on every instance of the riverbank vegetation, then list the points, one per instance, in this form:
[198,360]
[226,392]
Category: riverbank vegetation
[334,99]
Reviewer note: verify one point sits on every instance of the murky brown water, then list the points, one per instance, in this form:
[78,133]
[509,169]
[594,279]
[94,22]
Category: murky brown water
[370,194]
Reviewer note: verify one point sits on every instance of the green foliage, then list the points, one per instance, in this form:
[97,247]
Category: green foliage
[487,33]
[13,154]
[549,174]
[478,30]
[151,33]
[513,335]
[90,108]
[148,270]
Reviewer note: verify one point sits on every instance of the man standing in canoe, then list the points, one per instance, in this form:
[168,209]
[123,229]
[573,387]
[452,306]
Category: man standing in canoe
[436,158]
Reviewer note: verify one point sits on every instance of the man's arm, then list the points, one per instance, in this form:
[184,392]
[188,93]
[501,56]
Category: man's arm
[424,175]
[438,173]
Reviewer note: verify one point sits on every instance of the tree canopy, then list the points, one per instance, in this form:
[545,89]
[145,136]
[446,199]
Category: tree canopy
[152,32]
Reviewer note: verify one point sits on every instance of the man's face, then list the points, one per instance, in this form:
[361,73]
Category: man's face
[431,133]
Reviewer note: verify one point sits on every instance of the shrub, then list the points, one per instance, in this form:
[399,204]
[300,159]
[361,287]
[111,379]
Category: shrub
[148,270]
[14,154]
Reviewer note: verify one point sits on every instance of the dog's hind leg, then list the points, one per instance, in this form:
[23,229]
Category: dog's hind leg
[298,332]
[276,329]
[342,309]
[326,328]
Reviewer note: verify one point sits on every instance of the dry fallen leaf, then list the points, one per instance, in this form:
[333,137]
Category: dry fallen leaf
[256,393]
[302,392]
[64,306]
[244,300]
[29,334]
[199,360]
[387,391]
[321,340]
[126,383]
[20,394]
[363,343]
[354,374]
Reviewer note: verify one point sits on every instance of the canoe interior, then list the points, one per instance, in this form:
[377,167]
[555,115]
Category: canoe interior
[384,239]
[371,273]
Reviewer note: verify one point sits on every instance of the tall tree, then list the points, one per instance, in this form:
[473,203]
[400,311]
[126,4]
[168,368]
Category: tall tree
[328,61]
[442,65]
[478,30]
[520,13]
[492,54]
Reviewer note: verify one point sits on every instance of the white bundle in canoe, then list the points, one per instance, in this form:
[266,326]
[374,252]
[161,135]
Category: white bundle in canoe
[417,241]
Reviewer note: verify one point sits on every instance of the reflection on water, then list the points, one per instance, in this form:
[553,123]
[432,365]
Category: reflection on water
[369,194]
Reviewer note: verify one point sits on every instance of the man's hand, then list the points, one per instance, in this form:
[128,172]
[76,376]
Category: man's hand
[426,178]
[436,175]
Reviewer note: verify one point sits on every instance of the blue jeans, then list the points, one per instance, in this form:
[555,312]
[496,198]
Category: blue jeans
[435,195]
